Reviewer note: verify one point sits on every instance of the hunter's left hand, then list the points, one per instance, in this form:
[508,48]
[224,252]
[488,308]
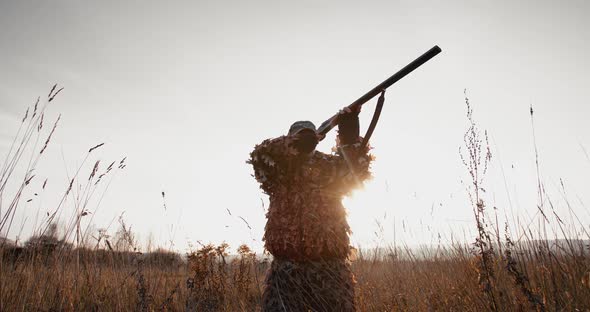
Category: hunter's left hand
[348,125]
[347,110]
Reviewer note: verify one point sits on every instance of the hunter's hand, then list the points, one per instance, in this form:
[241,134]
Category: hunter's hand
[348,125]
[349,111]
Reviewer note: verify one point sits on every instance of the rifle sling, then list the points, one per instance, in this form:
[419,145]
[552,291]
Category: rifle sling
[374,120]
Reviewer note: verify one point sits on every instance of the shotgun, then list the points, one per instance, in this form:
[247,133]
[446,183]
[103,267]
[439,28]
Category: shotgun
[327,125]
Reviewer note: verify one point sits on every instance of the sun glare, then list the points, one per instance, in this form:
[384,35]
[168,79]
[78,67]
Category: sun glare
[368,213]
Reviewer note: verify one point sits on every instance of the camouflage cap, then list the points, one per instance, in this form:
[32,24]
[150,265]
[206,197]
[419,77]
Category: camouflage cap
[301,125]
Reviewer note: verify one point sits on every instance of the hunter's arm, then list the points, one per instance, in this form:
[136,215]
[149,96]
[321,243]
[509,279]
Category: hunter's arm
[269,160]
[351,167]
[351,164]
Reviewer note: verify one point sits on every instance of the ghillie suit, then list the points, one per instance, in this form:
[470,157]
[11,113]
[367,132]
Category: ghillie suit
[306,231]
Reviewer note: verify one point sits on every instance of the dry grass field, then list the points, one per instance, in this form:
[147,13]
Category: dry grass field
[535,277]
[77,270]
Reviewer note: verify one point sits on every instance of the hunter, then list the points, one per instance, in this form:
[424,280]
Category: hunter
[306,230]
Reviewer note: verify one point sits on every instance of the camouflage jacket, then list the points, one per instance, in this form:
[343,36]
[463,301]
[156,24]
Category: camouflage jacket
[305,218]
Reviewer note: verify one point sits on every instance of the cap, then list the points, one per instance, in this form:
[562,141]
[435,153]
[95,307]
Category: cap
[301,125]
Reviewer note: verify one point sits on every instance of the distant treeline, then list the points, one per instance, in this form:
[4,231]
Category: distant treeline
[49,250]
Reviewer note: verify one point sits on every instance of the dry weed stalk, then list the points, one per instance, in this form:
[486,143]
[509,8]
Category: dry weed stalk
[520,279]
[476,157]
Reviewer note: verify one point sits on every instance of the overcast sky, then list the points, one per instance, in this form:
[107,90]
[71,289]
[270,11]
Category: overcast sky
[185,90]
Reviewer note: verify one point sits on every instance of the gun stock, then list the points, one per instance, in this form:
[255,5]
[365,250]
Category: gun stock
[327,125]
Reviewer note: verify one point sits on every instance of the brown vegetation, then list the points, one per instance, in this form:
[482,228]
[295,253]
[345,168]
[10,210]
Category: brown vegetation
[211,280]
[68,272]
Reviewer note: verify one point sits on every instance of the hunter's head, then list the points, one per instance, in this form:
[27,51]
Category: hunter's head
[305,136]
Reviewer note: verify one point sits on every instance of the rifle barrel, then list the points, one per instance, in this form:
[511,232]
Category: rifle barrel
[397,76]
[330,123]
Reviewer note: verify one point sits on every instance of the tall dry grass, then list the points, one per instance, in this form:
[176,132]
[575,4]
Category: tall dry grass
[78,269]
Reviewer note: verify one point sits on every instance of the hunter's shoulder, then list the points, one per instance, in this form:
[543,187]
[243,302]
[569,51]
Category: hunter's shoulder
[273,141]
[274,147]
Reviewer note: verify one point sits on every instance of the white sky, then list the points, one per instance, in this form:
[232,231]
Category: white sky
[186,89]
